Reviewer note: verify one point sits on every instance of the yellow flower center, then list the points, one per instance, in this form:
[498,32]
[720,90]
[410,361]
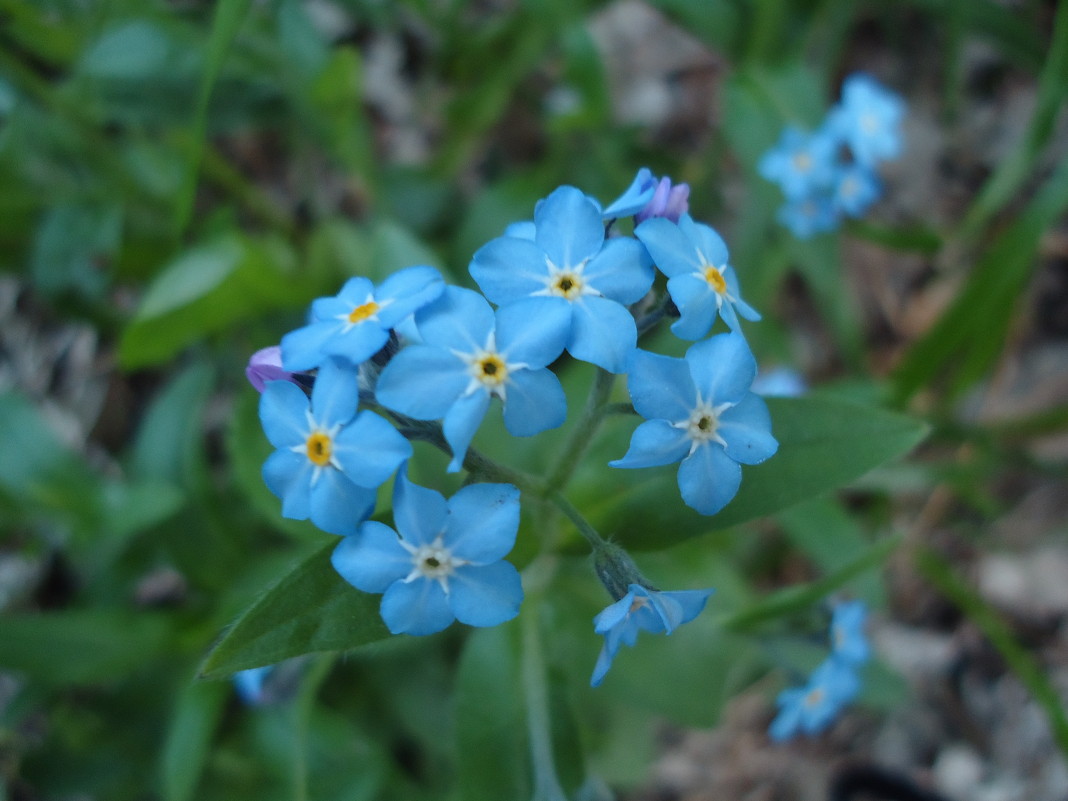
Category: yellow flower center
[715,279]
[491,370]
[815,695]
[363,312]
[319,448]
[802,161]
[566,285]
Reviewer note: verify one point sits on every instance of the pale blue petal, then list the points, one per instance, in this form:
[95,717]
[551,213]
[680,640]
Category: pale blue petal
[746,428]
[329,309]
[613,614]
[672,252]
[356,291]
[705,238]
[336,393]
[338,506]
[303,349]
[723,368]
[482,523]
[568,227]
[687,604]
[730,318]
[485,595]
[604,662]
[634,198]
[422,382]
[622,271]
[460,319]
[419,513]
[521,230]
[788,722]
[419,607]
[533,331]
[408,289]
[508,268]
[359,343]
[372,558]
[660,387]
[282,413]
[536,402]
[697,305]
[709,479]
[369,450]
[288,475]
[602,333]
[654,443]
[460,424]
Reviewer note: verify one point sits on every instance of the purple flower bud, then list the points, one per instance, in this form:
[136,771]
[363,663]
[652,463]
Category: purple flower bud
[667,201]
[266,365]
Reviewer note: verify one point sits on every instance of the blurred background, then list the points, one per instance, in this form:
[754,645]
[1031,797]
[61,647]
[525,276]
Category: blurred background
[180,178]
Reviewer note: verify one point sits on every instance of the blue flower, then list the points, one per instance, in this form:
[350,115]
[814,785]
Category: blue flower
[849,643]
[447,561]
[868,119]
[647,197]
[699,410]
[700,280]
[812,708]
[855,189]
[779,382]
[809,216]
[249,684]
[355,324]
[801,163]
[642,609]
[568,265]
[329,458]
[475,356]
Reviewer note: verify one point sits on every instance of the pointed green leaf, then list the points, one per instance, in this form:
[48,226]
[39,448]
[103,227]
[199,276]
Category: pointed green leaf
[196,717]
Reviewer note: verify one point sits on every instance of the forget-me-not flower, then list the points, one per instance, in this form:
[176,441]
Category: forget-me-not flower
[812,708]
[801,162]
[329,459]
[701,281]
[642,609]
[648,197]
[568,265]
[808,216]
[471,355]
[849,643]
[355,324]
[855,188]
[445,562]
[699,410]
[868,119]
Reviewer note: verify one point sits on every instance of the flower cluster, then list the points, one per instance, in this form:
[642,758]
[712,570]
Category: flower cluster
[832,685]
[377,366]
[831,172]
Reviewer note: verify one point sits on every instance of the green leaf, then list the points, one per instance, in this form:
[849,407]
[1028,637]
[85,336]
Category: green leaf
[196,717]
[83,646]
[74,248]
[824,444]
[311,609]
[128,51]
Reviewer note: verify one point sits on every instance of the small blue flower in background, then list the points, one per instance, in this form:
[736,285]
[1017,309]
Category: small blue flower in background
[701,282]
[779,382]
[809,216]
[868,119]
[849,643]
[810,709]
[249,684]
[800,163]
[473,355]
[447,561]
[699,410]
[355,324]
[855,189]
[569,265]
[329,459]
[642,609]
[648,197]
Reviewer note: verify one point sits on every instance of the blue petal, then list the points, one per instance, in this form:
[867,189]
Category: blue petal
[723,368]
[672,252]
[634,198]
[614,614]
[685,605]
[338,506]
[356,291]
[707,241]
[536,402]
[730,318]
[419,513]
[521,230]
[419,607]
[533,331]
[661,388]
[288,475]
[697,305]
[359,343]
[460,319]
[303,349]
[746,428]
[622,271]
[408,289]
[336,393]
[482,523]
[460,424]
[708,479]
[330,309]
[568,227]
[422,382]
[788,721]
[654,443]
[485,595]
[604,662]
[508,268]
[602,333]
[369,449]
[283,408]
[372,558]
[740,306]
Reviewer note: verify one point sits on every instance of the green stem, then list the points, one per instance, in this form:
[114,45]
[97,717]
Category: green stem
[583,431]
[575,516]
[535,689]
